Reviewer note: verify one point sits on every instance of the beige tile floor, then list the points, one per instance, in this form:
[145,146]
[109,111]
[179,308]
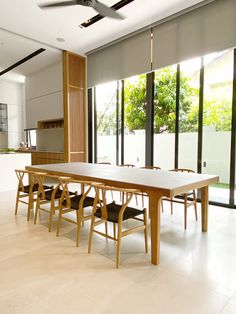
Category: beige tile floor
[40,273]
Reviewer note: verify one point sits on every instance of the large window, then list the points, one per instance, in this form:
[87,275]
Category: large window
[134,120]
[164,117]
[217,116]
[188,113]
[189,116]
[106,99]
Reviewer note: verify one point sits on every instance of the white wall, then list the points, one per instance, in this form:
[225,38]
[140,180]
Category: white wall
[44,95]
[216,151]
[8,163]
[13,95]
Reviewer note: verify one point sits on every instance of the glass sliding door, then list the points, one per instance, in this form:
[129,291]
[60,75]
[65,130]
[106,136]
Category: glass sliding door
[188,113]
[164,117]
[106,117]
[135,120]
[217,115]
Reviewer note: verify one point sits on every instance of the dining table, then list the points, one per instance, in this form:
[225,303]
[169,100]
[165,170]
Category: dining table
[156,184]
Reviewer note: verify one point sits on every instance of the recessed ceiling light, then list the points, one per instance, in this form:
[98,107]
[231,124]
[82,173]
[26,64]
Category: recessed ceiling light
[60,39]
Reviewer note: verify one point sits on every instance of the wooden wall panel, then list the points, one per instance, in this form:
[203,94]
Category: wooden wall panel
[76,71]
[41,158]
[77,118]
[77,157]
[74,107]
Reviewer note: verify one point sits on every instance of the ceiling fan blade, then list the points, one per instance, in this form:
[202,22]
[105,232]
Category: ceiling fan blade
[106,11]
[57,4]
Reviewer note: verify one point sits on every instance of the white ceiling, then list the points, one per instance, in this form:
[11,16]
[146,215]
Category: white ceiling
[43,27]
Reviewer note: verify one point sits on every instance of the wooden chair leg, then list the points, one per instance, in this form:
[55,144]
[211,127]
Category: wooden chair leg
[17,202]
[185,210]
[106,228]
[142,200]
[195,204]
[171,206]
[118,246]
[82,222]
[78,227]
[91,234]
[145,230]
[52,211]
[122,197]
[59,221]
[36,210]
[30,203]
[114,230]
[162,206]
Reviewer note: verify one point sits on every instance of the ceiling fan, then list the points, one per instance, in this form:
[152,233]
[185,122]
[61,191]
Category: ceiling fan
[101,8]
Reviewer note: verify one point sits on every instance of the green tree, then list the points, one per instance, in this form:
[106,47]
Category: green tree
[164,102]
[217,113]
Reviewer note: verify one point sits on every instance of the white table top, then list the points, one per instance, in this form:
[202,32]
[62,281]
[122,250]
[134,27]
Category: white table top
[169,183]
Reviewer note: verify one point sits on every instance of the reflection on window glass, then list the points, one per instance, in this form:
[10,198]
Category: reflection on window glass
[164,117]
[217,115]
[188,113]
[106,122]
[135,120]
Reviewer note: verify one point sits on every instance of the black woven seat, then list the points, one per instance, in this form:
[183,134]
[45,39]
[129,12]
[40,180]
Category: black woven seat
[113,210]
[48,194]
[88,201]
[76,203]
[35,188]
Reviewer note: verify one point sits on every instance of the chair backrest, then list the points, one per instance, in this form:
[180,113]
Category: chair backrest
[101,189]
[39,178]
[151,167]
[183,170]
[86,187]
[22,176]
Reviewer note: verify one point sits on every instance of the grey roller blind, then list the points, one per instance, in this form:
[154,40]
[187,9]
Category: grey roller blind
[126,58]
[207,29]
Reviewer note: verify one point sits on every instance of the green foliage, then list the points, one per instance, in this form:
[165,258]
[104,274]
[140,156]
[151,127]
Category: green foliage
[135,103]
[217,111]
[164,102]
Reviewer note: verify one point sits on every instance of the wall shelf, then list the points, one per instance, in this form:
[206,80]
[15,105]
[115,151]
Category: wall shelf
[51,124]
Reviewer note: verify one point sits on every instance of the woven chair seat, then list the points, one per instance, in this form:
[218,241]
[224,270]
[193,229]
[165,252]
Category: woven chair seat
[35,188]
[113,211]
[88,201]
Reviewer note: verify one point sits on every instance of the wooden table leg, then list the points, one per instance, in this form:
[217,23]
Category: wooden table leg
[154,208]
[204,206]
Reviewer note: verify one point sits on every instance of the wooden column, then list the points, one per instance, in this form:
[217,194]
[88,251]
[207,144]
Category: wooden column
[74,68]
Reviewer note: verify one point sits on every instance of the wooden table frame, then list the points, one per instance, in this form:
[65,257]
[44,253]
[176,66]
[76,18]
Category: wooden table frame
[155,183]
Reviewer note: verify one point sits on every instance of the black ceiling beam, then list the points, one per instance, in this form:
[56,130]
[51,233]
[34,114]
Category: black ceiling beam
[32,55]
[98,17]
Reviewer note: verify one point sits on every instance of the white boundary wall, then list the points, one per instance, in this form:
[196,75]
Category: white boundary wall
[216,151]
